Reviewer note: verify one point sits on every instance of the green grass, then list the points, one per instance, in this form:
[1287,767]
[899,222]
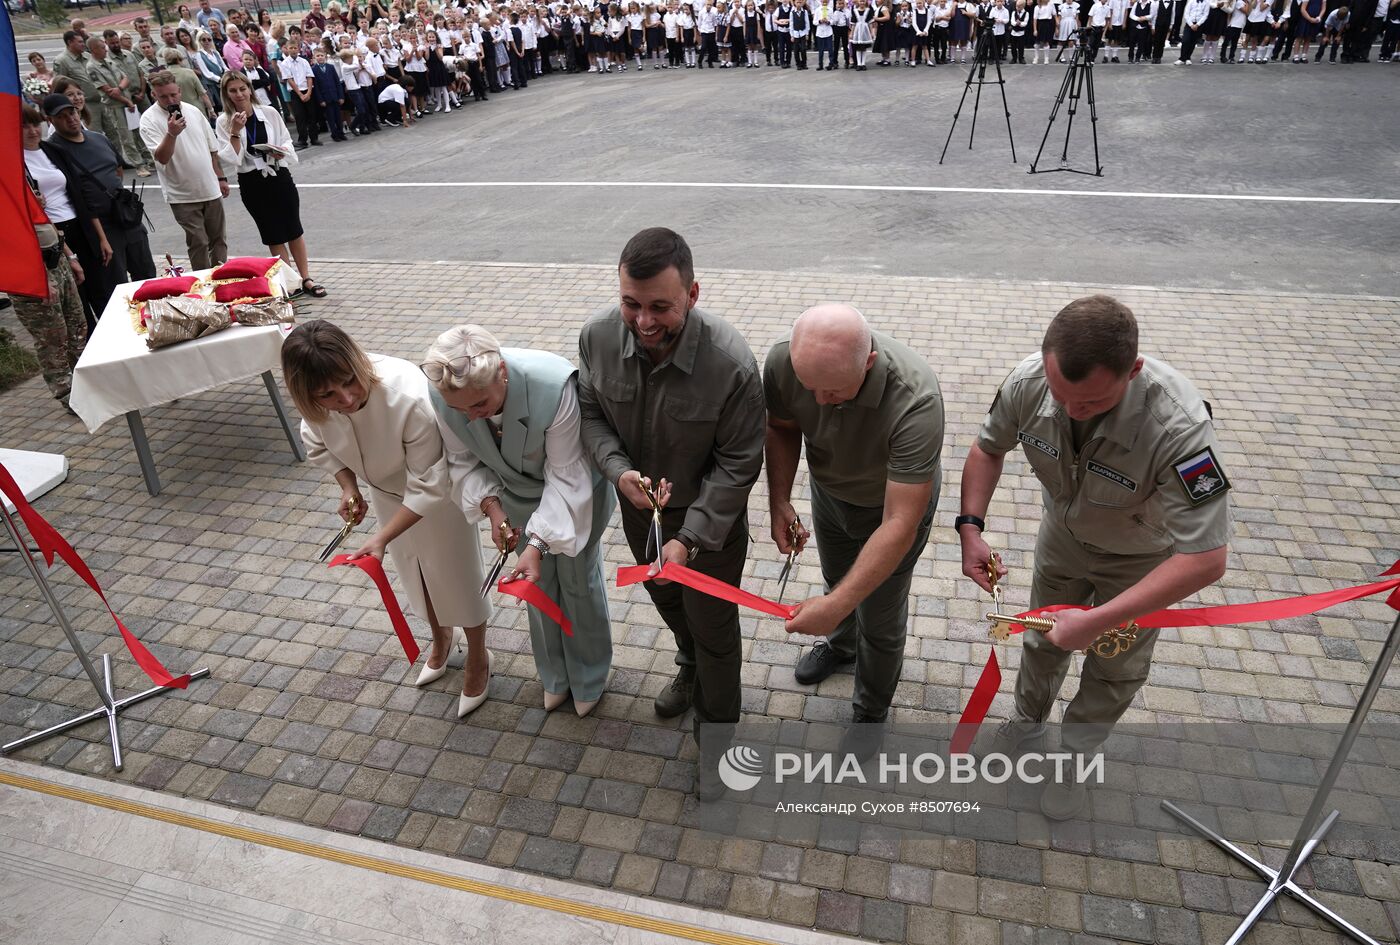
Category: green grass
[16,363]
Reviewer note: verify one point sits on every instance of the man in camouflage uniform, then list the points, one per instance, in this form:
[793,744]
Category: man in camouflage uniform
[57,323]
[114,91]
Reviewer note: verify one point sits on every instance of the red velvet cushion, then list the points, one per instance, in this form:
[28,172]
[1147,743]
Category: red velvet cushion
[245,267]
[248,289]
[163,288]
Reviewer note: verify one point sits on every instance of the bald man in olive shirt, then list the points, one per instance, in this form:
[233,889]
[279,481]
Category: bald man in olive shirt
[870,413]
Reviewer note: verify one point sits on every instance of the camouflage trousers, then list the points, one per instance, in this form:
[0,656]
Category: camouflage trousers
[128,143]
[58,326]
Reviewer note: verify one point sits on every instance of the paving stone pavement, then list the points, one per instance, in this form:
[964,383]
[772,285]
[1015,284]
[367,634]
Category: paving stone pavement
[310,714]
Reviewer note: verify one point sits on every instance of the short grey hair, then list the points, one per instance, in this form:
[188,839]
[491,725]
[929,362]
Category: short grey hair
[171,56]
[472,355]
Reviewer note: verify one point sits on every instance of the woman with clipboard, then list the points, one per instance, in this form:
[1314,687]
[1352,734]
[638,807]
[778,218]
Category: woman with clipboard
[254,140]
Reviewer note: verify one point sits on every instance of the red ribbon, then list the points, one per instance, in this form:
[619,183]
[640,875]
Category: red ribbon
[50,542]
[375,569]
[705,584]
[538,599]
[1265,610]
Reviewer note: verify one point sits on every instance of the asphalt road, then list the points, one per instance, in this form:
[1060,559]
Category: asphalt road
[1207,176]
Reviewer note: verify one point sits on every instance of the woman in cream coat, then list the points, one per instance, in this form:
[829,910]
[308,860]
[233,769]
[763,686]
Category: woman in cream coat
[510,428]
[369,418]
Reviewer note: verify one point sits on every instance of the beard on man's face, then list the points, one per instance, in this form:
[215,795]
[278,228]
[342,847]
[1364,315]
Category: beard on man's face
[661,339]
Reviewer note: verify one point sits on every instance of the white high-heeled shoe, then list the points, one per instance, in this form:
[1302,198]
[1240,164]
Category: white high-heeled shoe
[466,703]
[553,700]
[583,708]
[426,675]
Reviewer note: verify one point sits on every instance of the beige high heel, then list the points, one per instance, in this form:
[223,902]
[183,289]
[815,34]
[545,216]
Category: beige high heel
[466,703]
[427,675]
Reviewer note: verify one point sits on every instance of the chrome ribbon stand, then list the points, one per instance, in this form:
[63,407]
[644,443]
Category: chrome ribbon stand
[111,705]
[1309,833]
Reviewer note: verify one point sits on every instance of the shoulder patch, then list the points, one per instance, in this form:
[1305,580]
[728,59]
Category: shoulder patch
[1112,475]
[1201,477]
[1026,438]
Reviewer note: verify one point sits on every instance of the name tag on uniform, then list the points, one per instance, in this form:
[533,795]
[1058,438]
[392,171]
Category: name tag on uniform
[1112,475]
[1201,476]
[1026,438]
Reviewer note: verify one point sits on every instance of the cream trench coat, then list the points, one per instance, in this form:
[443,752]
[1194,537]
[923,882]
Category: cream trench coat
[393,446]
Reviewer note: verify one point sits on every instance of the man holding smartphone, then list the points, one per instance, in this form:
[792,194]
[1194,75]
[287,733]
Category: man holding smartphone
[187,164]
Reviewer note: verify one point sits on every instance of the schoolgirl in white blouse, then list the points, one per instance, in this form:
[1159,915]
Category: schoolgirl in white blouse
[1044,19]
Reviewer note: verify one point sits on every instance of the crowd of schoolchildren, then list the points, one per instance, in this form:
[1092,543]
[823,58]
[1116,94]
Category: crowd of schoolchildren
[352,70]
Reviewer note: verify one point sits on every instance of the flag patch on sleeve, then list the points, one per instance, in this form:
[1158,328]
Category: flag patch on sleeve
[1202,477]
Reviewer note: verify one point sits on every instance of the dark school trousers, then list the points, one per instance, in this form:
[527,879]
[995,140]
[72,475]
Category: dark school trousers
[304,114]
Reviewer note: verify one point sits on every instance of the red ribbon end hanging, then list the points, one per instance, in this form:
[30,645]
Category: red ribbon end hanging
[538,599]
[52,544]
[375,569]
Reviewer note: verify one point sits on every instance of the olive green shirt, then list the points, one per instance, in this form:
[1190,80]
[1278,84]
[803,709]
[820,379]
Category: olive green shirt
[891,431]
[696,419]
[76,68]
[130,65]
[191,88]
[1148,479]
[108,73]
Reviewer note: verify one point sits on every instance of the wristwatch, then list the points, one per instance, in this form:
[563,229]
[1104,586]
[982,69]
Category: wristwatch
[538,543]
[691,546]
[962,520]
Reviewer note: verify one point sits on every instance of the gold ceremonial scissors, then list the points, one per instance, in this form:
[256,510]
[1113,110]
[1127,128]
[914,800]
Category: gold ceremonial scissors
[500,562]
[1115,641]
[794,529]
[344,533]
[654,542]
[1000,630]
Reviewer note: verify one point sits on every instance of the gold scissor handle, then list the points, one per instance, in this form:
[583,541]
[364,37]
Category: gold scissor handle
[650,494]
[993,567]
[1002,624]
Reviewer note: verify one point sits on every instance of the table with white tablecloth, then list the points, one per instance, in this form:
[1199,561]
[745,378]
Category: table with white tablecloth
[118,375]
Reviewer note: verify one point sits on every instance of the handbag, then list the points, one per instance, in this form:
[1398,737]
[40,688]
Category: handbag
[127,207]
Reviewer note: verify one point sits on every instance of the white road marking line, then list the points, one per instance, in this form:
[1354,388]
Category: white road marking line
[861,188]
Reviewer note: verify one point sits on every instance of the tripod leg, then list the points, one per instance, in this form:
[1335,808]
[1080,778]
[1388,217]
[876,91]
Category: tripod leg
[956,113]
[1005,107]
[976,104]
[1094,122]
[1054,112]
[1077,69]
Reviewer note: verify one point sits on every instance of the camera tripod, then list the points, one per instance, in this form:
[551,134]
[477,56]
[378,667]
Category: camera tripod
[1079,78]
[985,53]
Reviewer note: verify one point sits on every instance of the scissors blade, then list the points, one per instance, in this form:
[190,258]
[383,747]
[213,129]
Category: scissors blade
[495,573]
[786,573]
[336,542]
[654,541]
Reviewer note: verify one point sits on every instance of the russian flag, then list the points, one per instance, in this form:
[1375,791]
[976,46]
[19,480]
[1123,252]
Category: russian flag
[1202,464]
[21,264]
